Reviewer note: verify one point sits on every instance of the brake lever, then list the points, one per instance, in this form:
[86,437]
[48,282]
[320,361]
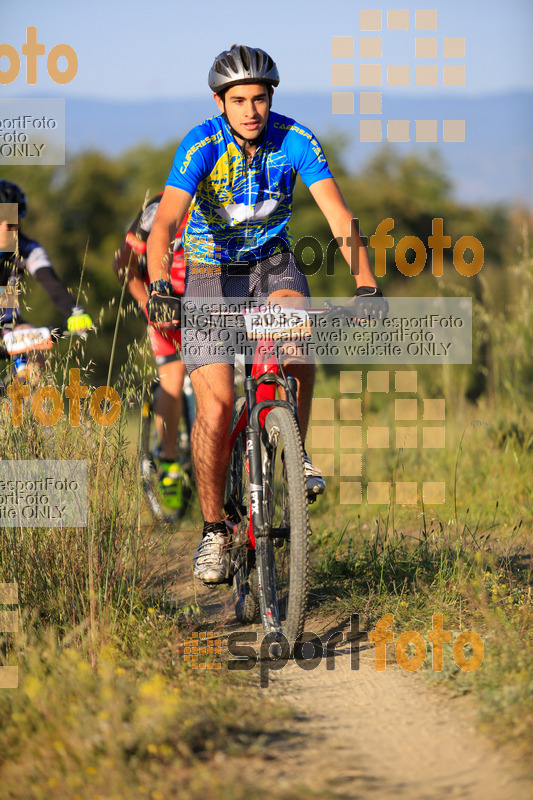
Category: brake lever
[335,312]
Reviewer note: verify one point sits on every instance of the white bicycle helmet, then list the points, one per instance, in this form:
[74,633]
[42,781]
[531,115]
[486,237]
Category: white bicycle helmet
[242,64]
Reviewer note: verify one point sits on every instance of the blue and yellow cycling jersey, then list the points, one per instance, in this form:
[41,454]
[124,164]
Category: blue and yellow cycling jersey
[240,211]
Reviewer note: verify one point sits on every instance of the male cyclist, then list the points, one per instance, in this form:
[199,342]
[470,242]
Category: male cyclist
[237,173]
[27,255]
[130,265]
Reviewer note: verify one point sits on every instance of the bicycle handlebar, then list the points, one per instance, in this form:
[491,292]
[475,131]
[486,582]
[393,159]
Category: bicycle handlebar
[168,309]
[25,339]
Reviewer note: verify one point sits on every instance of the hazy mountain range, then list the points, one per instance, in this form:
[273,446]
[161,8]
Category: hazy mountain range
[494,163]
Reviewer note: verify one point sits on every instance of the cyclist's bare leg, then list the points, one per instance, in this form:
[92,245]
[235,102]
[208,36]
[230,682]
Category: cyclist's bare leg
[169,405]
[213,392]
[304,373]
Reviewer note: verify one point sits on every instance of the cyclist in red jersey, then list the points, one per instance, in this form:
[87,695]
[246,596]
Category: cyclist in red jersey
[130,264]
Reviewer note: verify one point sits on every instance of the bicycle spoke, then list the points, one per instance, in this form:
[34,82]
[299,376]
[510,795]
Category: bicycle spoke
[242,558]
[282,554]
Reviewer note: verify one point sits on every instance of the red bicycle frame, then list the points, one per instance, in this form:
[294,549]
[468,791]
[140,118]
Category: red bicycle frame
[261,391]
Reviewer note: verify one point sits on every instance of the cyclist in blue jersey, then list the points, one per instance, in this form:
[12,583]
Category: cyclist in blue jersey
[235,173]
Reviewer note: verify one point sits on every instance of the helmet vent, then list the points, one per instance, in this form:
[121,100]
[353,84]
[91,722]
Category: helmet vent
[245,58]
[232,64]
[221,67]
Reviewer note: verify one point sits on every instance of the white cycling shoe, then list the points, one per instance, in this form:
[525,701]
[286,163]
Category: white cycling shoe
[210,558]
[314,481]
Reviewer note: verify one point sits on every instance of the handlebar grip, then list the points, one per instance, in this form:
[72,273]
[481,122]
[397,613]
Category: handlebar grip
[370,307]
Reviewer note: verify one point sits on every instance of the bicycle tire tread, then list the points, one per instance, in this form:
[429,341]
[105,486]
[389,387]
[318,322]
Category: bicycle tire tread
[247,609]
[282,418]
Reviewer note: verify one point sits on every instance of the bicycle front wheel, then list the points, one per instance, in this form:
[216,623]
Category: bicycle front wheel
[282,555]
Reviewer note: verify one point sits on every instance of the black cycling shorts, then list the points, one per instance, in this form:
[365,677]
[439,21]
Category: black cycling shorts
[256,280]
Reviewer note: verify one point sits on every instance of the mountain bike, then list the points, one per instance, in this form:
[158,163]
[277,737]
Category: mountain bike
[266,500]
[149,459]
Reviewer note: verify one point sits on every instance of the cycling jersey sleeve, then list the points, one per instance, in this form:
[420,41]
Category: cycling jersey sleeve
[192,160]
[307,155]
[37,259]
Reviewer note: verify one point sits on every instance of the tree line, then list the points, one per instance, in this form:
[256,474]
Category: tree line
[79,213]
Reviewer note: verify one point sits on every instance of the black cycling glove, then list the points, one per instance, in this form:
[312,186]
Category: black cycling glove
[164,308]
[370,303]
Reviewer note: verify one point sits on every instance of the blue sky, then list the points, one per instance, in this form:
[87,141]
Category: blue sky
[163,48]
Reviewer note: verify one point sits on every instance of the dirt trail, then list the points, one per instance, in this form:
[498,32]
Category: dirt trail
[388,734]
[364,734]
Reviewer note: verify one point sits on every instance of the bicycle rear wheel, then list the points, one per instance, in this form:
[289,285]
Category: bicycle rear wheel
[149,447]
[283,553]
[242,557]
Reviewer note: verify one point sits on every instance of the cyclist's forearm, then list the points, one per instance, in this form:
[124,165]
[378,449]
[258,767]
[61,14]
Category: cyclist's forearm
[125,263]
[169,216]
[57,291]
[137,288]
[357,259]
[344,229]
[354,251]
[157,252]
